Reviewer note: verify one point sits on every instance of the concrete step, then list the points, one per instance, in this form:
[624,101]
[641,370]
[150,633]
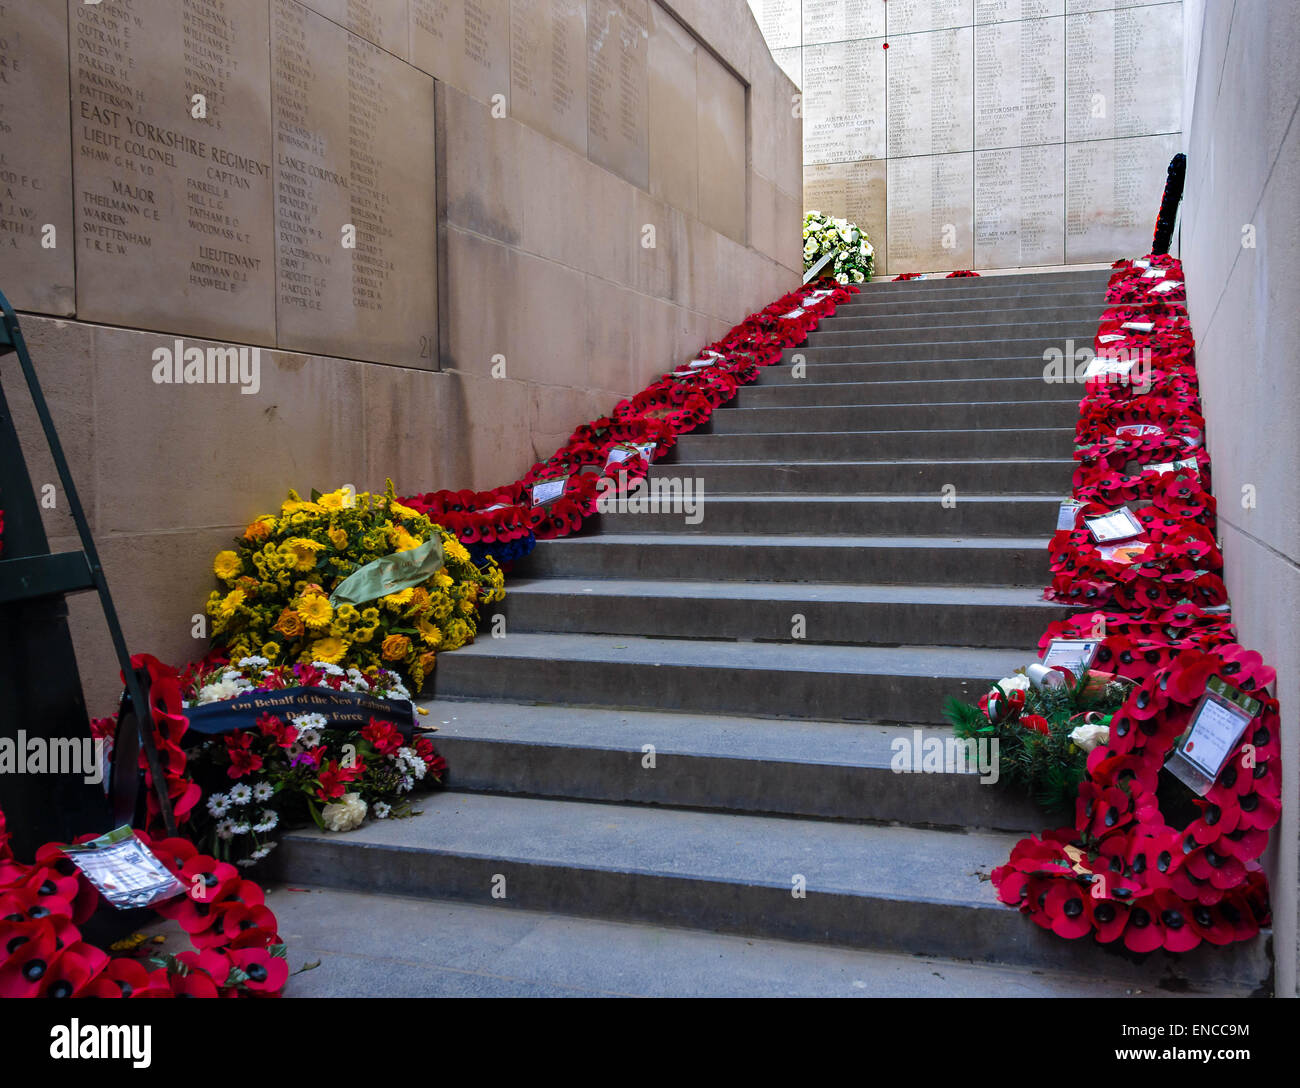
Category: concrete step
[828,770]
[1048,443]
[856,515]
[896,417]
[891,889]
[931,391]
[1075,279]
[1081,331]
[849,348]
[869,304]
[495,951]
[881,319]
[860,615]
[1048,477]
[988,561]
[896,685]
[831,373]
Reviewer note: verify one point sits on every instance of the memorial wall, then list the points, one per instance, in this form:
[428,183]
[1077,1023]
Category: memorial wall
[429,237]
[985,133]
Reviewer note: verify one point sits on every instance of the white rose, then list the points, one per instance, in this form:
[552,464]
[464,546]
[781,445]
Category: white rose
[858,277]
[842,278]
[346,814]
[1019,682]
[1089,737]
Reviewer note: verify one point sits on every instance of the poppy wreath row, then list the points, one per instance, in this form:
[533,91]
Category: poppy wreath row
[504,522]
[237,948]
[1125,873]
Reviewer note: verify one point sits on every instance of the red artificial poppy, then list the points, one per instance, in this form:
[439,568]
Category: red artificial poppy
[266,973]
[30,946]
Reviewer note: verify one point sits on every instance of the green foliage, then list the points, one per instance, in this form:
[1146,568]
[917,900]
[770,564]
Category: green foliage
[1049,767]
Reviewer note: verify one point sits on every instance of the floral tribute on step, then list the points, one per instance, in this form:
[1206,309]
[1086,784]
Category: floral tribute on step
[1181,781]
[608,456]
[45,905]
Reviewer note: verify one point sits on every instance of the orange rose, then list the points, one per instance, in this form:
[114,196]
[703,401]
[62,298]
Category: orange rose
[289,624]
[396,647]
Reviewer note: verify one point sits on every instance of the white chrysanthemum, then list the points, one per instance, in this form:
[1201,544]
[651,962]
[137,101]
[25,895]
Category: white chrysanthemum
[382,810]
[218,805]
[242,828]
[227,687]
[407,784]
[241,794]
[270,820]
[226,830]
[263,791]
[327,668]
[309,721]
[253,663]
[347,814]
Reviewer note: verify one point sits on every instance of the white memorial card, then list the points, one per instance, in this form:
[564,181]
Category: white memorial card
[124,870]
[1217,724]
[1077,655]
[548,491]
[1068,517]
[1122,524]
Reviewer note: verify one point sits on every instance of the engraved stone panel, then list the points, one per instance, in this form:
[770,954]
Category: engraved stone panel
[176,207]
[779,22]
[1124,72]
[1111,187]
[930,87]
[674,115]
[36,268]
[353,147]
[844,101]
[548,68]
[932,229]
[724,159]
[385,23]
[465,43]
[618,125]
[842,20]
[1020,206]
[910,16]
[999,11]
[851,190]
[1020,83]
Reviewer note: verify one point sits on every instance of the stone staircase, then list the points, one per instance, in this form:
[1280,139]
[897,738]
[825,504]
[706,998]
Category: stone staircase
[650,742]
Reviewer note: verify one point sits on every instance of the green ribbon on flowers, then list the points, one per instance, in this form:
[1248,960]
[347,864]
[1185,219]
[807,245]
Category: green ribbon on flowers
[391,574]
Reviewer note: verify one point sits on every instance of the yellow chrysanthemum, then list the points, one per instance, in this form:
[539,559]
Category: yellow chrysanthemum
[304,552]
[455,549]
[229,603]
[401,540]
[329,650]
[227,566]
[370,615]
[339,538]
[342,499]
[316,611]
[271,651]
[348,613]
[443,580]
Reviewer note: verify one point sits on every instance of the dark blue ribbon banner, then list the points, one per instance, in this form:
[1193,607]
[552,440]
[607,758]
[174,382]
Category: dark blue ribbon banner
[341,710]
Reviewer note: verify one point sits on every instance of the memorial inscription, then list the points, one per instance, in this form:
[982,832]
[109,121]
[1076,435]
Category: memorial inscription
[37,240]
[618,126]
[173,179]
[355,227]
[465,43]
[548,68]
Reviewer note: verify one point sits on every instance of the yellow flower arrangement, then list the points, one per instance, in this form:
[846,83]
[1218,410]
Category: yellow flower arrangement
[275,585]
